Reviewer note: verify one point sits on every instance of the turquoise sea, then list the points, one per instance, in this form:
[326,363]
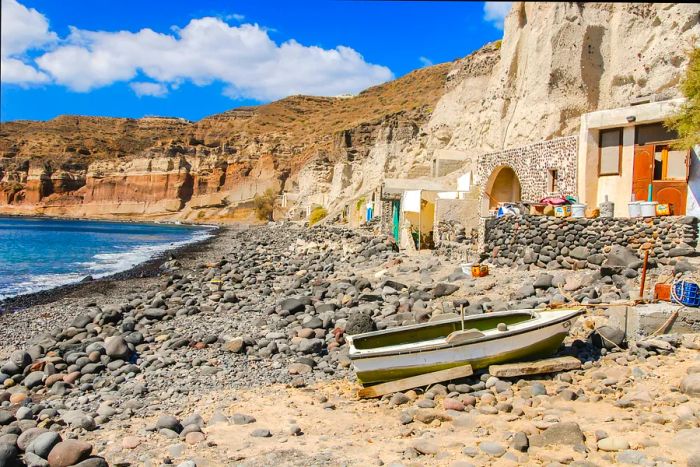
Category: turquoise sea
[38,254]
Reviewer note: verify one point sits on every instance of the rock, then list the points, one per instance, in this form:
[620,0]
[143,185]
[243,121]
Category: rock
[543,281]
[399,398]
[169,422]
[681,251]
[194,437]
[608,337]
[442,290]
[8,454]
[20,359]
[631,457]
[690,385]
[32,460]
[44,443]
[117,348]
[613,443]
[425,447]
[92,462]
[131,442]
[520,442]
[260,433]
[310,346]
[242,419]
[78,419]
[236,345]
[492,449]
[6,417]
[359,323]
[452,404]
[526,290]
[33,379]
[28,436]
[621,258]
[69,452]
[292,305]
[580,252]
[568,433]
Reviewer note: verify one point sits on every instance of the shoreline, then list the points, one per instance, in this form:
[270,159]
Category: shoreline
[148,268]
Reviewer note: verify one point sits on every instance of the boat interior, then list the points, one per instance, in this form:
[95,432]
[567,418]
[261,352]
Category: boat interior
[474,326]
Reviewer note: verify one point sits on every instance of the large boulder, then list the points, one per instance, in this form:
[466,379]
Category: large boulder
[618,259]
[117,348]
[69,452]
[568,433]
[608,337]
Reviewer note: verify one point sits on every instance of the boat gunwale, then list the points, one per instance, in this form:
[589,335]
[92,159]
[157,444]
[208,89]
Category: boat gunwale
[370,353]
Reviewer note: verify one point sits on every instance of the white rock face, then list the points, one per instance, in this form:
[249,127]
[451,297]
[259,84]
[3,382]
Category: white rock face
[559,60]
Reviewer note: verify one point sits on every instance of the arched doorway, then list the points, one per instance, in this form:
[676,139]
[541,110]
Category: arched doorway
[503,186]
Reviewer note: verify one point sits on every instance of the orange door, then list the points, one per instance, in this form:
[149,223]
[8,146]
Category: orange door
[673,193]
[643,171]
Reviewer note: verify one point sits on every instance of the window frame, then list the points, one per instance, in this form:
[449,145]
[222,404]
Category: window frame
[619,152]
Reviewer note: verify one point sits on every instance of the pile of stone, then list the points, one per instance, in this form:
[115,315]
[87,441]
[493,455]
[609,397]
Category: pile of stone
[555,243]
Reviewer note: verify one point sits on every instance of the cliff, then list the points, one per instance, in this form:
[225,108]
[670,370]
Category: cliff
[200,171]
[555,62]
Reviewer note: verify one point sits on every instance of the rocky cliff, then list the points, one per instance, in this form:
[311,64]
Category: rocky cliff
[556,61]
[209,170]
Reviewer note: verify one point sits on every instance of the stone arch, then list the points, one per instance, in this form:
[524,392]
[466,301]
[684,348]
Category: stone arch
[503,185]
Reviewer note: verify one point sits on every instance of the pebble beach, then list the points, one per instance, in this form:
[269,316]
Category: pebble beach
[232,352]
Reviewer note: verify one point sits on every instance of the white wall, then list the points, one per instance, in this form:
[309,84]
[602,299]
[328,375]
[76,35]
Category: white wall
[693,201]
[591,188]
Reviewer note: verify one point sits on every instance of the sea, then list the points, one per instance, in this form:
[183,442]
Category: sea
[39,253]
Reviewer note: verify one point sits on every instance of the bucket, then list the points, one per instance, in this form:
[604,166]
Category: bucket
[467,268]
[635,209]
[562,211]
[648,208]
[578,210]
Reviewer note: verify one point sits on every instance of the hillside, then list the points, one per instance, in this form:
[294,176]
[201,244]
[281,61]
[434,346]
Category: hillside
[50,167]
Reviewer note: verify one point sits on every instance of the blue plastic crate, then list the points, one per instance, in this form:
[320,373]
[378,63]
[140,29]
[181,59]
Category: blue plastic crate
[688,293]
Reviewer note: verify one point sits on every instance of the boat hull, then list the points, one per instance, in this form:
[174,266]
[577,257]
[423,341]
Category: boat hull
[526,345]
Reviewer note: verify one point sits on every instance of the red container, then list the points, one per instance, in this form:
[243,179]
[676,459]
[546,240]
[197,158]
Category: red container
[662,292]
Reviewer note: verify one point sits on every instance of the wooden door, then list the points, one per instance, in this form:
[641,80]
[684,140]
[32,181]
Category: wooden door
[673,193]
[643,171]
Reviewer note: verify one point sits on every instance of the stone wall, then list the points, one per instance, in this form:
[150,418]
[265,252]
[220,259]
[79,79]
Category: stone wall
[555,243]
[531,164]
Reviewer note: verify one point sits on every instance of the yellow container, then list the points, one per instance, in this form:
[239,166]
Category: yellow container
[562,211]
[480,270]
[663,210]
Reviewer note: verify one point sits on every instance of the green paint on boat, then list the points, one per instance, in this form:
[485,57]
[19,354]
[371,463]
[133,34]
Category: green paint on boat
[540,349]
[432,331]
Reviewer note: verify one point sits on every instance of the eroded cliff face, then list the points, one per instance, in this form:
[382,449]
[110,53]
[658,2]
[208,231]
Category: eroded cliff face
[556,61]
[559,60]
[205,171]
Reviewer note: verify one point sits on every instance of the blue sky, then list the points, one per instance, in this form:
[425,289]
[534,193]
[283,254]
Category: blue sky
[192,59]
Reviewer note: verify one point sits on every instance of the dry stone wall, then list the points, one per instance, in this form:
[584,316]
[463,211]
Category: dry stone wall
[555,243]
[531,164]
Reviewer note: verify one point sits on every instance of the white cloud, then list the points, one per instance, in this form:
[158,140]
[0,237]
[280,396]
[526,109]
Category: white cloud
[145,88]
[425,61]
[496,12]
[243,57]
[21,29]
[235,17]
[17,72]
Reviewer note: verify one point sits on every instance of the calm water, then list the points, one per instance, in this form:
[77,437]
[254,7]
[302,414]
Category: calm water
[38,254]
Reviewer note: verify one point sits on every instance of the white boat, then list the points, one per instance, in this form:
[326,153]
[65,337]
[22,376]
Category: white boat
[483,340]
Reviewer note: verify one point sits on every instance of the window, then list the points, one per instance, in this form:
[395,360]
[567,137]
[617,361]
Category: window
[670,164]
[610,157]
[552,178]
[653,133]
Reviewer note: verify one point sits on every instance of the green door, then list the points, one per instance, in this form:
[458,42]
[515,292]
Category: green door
[396,209]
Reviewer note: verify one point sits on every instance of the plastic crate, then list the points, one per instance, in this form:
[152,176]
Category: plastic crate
[688,293]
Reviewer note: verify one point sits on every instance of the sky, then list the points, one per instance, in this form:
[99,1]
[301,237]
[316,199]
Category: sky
[192,59]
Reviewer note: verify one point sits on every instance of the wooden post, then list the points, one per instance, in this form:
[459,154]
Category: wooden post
[644,274]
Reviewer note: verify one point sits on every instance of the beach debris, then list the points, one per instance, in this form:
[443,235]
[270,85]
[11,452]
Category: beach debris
[549,365]
[415,382]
